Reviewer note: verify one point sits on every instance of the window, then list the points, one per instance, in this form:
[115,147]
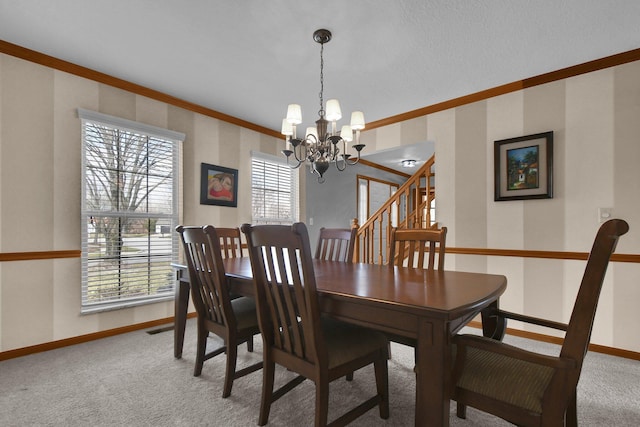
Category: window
[274,190]
[129,212]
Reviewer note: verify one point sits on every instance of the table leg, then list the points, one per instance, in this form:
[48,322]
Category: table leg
[492,325]
[433,372]
[180,315]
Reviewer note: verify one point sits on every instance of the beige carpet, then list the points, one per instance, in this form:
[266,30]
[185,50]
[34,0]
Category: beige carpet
[133,380]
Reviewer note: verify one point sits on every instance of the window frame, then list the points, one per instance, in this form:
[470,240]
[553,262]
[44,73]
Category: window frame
[88,117]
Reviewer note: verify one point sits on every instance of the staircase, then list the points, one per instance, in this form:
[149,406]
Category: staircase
[409,207]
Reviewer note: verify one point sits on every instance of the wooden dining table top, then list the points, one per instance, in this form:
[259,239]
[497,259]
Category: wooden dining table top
[446,294]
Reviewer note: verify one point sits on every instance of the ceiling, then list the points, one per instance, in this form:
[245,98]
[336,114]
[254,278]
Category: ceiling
[251,58]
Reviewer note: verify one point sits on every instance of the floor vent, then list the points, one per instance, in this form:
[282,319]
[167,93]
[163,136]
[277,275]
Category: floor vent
[157,331]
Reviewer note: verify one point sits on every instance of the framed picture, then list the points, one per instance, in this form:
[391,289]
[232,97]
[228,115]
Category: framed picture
[218,185]
[523,167]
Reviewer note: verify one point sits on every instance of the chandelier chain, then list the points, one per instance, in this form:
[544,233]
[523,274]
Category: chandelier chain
[321,112]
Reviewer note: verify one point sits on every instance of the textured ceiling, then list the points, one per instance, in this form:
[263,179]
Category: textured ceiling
[251,58]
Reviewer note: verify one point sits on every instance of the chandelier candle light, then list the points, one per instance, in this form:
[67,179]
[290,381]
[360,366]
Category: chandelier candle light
[320,147]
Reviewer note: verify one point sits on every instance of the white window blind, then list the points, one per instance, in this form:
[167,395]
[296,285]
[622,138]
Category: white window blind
[129,212]
[274,190]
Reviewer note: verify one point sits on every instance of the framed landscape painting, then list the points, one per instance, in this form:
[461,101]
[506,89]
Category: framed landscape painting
[523,167]
[218,185]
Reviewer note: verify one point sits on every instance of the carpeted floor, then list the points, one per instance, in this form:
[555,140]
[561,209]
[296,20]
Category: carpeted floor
[133,380]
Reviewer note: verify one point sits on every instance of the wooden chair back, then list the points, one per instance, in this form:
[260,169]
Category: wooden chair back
[230,242]
[209,289]
[336,244]
[408,246]
[286,295]
[578,335]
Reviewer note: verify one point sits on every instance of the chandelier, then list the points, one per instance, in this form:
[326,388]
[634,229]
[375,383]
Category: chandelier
[322,146]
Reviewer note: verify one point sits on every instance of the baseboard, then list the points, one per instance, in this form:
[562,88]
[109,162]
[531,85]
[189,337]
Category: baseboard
[38,348]
[19,352]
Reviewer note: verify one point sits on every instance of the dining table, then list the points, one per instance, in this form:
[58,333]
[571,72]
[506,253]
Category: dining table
[429,306]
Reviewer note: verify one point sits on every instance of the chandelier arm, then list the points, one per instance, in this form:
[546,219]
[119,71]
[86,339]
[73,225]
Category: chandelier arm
[299,149]
[344,149]
[292,166]
[288,154]
[298,159]
[350,163]
[335,151]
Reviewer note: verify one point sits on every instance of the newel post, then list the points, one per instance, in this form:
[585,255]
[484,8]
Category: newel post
[356,248]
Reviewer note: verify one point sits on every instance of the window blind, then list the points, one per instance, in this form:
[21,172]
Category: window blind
[129,212]
[274,190]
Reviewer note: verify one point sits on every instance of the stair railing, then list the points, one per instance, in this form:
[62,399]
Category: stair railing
[408,207]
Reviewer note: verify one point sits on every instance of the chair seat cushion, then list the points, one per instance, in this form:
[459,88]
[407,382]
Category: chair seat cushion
[244,309]
[506,379]
[346,342]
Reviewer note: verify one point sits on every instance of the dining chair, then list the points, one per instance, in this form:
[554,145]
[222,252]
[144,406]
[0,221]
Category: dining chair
[336,244]
[294,333]
[230,242]
[231,247]
[235,321]
[407,247]
[524,387]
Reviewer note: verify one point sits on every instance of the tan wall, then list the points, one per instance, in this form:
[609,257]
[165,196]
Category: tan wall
[596,122]
[595,118]
[40,151]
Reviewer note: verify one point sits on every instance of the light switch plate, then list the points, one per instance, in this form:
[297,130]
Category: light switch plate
[604,214]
